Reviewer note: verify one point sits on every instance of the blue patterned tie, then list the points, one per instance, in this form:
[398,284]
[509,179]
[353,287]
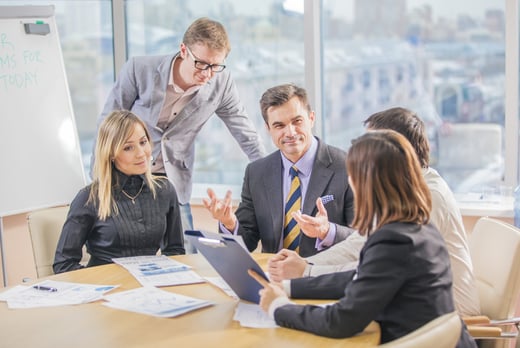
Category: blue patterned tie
[291,231]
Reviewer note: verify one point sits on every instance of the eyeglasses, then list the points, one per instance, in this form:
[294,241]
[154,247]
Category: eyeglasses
[205,66]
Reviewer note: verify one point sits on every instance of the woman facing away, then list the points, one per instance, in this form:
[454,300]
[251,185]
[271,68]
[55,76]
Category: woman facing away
[126,211]
[403,279]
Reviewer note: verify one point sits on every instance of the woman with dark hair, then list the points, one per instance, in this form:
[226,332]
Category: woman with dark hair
[403,279]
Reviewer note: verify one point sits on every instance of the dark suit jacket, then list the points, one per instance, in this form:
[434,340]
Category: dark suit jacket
[403,281]
[261,213]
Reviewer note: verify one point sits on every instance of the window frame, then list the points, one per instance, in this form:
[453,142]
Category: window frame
[313,50]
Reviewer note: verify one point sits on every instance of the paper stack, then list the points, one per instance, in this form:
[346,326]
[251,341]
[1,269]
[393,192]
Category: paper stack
[153,301]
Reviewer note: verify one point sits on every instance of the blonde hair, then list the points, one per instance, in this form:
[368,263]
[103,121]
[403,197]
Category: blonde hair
[210,33]
[387,180]
[113,132]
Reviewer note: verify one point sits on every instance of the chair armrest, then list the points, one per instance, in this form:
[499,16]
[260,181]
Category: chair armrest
[482,327]
[484,320]
[484,331]
[511,321]
[476,320]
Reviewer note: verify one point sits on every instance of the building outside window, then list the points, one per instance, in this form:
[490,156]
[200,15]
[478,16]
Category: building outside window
[444,59]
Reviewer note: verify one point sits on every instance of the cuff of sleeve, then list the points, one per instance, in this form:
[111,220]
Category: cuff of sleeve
[277,303]
[307,270]
[286,286]
[328,240]
[224,230]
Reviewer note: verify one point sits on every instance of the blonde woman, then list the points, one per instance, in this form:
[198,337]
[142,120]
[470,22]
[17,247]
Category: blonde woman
[126,211]
[403,279]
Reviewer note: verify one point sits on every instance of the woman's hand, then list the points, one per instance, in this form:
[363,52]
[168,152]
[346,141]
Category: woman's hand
[269,293]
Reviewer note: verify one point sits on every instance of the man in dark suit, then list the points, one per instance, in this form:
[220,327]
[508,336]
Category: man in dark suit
[260,215]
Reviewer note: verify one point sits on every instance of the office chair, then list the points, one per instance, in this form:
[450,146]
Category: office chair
[495,252]
[45,227]
[442,332]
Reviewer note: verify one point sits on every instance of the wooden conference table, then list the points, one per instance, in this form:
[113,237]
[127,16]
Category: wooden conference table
[96,326]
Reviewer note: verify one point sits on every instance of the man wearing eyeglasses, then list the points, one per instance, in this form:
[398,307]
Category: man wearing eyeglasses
[175,95]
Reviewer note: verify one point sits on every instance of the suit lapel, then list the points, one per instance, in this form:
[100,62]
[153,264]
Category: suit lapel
[320,178]
[272,184]
[161,78]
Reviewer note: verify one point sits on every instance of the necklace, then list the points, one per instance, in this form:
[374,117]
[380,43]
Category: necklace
[132,198]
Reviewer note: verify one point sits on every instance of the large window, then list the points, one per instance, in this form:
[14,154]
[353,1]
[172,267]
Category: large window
[443,59]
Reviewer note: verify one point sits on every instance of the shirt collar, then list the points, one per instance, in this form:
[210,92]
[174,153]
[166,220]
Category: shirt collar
[170,80]
[305,163]
[123,181]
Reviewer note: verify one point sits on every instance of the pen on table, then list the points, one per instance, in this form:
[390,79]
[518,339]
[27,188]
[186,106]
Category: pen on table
[44,288]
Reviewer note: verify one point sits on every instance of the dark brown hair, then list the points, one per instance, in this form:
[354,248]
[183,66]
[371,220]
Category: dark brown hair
[279,95]
[387,181]
[407,123]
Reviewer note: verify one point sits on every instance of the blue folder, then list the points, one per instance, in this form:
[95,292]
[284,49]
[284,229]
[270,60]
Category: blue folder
[230,260]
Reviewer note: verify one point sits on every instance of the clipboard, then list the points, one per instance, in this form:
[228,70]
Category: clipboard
[230,260]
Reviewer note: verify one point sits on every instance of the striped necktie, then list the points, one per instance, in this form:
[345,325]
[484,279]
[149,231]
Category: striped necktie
[291,231]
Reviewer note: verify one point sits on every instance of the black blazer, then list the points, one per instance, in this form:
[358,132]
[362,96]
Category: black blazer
[403,281]
[260,213]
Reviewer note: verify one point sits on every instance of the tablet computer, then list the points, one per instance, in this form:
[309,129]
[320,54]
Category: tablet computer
[231,261]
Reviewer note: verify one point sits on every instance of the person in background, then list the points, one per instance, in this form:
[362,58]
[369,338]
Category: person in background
[285,193]
[175,95]
[445,215]
[125,211]
[403,279]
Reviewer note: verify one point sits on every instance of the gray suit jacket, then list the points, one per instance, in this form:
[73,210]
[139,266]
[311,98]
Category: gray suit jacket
[141,86]
[260,213]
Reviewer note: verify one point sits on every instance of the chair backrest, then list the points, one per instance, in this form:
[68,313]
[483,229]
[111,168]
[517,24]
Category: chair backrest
[495,252]
[45,227]
[442,332]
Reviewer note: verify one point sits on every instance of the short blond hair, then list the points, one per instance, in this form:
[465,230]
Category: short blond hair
[209,33]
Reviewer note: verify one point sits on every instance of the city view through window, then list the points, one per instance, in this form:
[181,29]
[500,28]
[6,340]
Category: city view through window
[443,59]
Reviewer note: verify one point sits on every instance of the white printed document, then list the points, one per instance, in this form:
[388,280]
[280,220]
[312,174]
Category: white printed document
[53,293]
[251,315]
[159,270]
[153,301]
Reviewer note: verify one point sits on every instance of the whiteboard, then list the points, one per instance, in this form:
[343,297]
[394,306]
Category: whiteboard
[39,146]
